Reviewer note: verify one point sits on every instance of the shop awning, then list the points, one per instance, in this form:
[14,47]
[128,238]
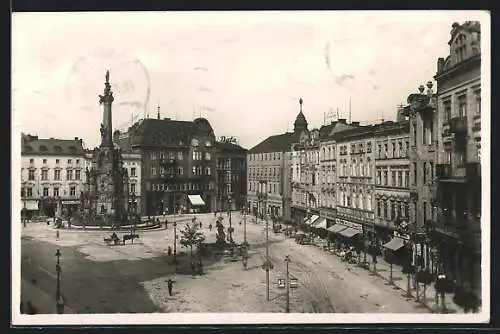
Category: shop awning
[394,244]
[30,205]
[337,228]
[349,232]
[312,220]
[196,200]
[70,202]
[320,223]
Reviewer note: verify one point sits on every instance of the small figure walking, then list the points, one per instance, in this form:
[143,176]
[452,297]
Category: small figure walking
[166,224]
[170,284]
[200,224]
[169,251]
[57,235]
[210,227]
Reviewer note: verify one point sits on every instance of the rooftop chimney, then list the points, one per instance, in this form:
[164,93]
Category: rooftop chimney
[342,120]
[355,123]
[429,89]
[76,138]
[440,65]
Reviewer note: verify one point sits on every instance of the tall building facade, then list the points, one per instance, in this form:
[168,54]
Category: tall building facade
[305,177]
[392,176]
[178,164]
[104,199]
[52,176]
[355,180]
[458,170]
[328,168]
[231,174]
[268,171]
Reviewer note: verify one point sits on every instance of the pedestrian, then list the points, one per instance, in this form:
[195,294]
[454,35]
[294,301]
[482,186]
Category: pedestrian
[200,224]
[210,227]
[170,284]
[169,251]
[57,235]
[166,224]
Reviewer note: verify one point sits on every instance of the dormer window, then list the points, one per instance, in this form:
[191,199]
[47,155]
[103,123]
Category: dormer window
[43,148]
[58,149]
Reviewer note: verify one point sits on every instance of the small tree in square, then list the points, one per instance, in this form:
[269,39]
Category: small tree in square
[191,236]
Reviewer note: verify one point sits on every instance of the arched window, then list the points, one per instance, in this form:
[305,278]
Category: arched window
[368,205]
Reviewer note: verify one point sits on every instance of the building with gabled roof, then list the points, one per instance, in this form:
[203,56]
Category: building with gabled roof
[231,172]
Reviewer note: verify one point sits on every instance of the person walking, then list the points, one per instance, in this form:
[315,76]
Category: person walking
[200,224]
[57,235]
[170,284]
[210,227]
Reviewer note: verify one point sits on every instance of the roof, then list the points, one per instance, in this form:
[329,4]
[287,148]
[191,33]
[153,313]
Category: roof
[469,26]
[358,132]
[51,146]
[276,143]
[165,132]
[392,127]
[229,147]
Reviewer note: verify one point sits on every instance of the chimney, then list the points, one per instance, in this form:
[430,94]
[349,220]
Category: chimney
[76,138]
[429,89]
[342,120]
[355,123]
[440,65]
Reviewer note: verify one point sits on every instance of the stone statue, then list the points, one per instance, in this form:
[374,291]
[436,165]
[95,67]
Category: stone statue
[107,76]
[103,131]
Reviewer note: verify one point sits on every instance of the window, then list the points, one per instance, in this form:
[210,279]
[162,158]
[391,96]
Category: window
[407,179]
[414,127]
[385,209]
[132,188]
[379,177]
[133,171]
[393,178]
[57,161]
[44,161]
[424,172]
[57,175]
[447,110]
[77,161]
[460,154]
[44,175]
[386,149]
[45,191]
[414,173]
[72,191]
[22,192]
[208,171]
[194,170]
[77,174]
[400,178]
[462,105]
[180,156]
[180,171]
[401,151]
[29,192]
[379,208]
[394,150]
[32,161]
[152,156]
[208,156]
[447,157]
[69,161]
[478,103]
[171,155]
[56,192]
[386,178]
[31,175]
[69,175]
[431,170]
[153,171]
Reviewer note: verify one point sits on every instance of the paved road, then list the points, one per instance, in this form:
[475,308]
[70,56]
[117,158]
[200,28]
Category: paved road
[325,283]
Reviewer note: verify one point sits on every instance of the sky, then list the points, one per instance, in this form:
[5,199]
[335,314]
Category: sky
[243,71]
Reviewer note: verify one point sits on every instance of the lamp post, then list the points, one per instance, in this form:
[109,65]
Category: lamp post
[175,242]
[24,213]
[287,283]
[268,265]
[59,299]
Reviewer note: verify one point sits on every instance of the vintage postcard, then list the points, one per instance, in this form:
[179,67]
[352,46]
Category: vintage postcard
[250,167]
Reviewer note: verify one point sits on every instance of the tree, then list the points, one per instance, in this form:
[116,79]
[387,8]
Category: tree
[191,236]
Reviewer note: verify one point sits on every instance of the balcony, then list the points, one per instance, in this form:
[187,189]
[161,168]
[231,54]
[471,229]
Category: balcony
[443,171]
[458,125]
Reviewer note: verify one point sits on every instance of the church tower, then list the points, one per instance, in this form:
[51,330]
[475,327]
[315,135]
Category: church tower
[300,122]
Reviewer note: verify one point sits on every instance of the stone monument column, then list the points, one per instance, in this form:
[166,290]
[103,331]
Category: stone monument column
[106,126]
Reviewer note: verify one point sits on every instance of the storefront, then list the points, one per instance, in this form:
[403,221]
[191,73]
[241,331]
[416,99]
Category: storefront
[29,209]
[346,232]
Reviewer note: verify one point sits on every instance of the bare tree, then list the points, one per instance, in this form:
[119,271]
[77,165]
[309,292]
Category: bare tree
[191,236]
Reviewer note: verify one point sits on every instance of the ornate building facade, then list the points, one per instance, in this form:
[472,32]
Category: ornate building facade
[458,170]
[269,172]
[52,176]
[178,164]
[105,198]
[231,174]
[392,178]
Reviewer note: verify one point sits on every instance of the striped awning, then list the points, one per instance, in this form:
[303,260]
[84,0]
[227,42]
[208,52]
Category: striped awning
[196,200]
[395,244]
[311,220]
[337,228]
[349,232]
[320,223]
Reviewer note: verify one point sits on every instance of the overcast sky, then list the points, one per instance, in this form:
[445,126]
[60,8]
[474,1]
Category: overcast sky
[244,72]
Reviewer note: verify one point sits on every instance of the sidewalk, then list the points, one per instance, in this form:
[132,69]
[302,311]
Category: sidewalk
[44,303]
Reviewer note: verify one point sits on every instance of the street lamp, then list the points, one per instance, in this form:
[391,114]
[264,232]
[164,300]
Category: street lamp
[59,299]
[287,283]
[175,242]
